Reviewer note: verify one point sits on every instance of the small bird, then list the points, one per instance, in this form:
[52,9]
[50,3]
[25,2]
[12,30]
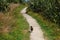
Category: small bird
[31,28]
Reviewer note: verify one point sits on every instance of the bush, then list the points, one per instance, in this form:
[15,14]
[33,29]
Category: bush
[3,5]
[50,9]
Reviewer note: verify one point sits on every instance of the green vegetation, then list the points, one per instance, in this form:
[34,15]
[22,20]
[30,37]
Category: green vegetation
[17,28]
[47,13]
[15,1]
[13,25]
[51,30]
[50,9]
[4,4]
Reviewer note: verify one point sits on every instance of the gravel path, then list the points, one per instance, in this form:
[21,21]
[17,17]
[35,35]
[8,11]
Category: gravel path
[37,33]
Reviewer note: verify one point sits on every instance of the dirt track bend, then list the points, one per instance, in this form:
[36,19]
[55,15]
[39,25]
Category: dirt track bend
[37,33]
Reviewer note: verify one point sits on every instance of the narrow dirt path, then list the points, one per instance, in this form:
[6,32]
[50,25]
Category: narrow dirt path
[37,33]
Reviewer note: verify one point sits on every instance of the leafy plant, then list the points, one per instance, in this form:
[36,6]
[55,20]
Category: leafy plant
[50,9]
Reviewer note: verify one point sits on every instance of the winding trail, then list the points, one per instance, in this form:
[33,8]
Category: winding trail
[37,33]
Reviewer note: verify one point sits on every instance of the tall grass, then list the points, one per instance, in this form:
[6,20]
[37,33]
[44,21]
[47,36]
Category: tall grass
[17,30]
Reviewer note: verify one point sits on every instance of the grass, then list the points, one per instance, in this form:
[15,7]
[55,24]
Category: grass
[51,30]
[17,30]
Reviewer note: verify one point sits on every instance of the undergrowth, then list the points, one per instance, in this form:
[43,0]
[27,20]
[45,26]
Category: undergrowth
[17,28]
[51,30]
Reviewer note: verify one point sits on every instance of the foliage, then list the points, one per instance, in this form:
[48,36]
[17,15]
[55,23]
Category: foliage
[50,9]
[51,30]
[3,5]
[13,1]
